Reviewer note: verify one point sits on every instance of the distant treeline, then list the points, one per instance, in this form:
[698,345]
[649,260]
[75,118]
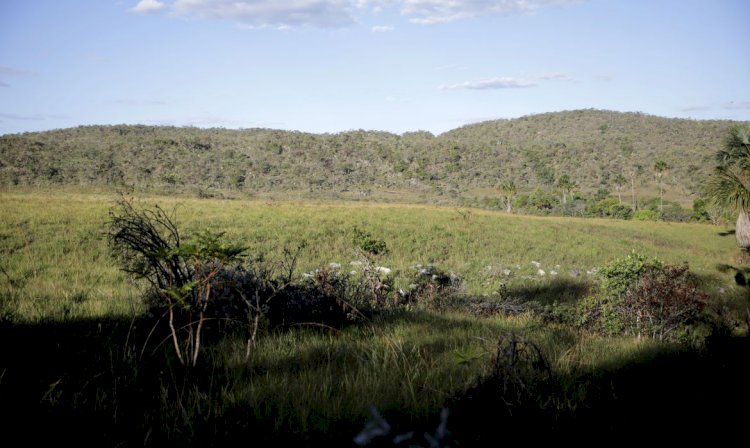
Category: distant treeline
[595,149]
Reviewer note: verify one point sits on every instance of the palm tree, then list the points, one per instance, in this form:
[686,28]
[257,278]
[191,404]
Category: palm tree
[730,184]
[660,167]
[566,185]
[509,191]
[632,174]
[620,182]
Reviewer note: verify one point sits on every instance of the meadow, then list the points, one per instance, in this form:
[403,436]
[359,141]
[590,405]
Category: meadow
[55,251]
[83,359]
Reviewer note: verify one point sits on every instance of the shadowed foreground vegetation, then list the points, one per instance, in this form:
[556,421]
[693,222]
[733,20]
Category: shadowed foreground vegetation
[486,335]
[91,382]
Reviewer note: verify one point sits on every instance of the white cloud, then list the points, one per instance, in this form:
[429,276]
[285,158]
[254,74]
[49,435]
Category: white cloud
[382,28]
[491,84]
[320,13]
[146,6]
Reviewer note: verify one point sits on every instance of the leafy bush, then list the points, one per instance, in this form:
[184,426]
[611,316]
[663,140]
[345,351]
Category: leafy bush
[601,312]
[675,213]
[663,302]
[183,275]
[701,210]
[206,282]
[601,207]
[609,208]
[646,215]
[620,274]
[365,241]
[642,297]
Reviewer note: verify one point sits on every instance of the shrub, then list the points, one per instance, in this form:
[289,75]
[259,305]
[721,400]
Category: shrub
[621,211]
[646,215]
[618,275]
[365,241]
[701,210]
[206,282]
[601,207]
[609,208]
[643,297]
[663,302]
[674,212]
[431,288]
[183,275]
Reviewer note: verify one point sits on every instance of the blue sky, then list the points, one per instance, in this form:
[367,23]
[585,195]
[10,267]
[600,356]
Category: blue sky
[391,65]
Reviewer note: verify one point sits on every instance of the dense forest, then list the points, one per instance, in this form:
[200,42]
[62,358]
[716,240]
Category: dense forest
[598,154]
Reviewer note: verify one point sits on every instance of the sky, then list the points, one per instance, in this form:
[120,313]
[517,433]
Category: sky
[328,66]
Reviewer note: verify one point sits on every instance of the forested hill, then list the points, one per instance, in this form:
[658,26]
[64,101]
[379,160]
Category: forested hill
[460,166]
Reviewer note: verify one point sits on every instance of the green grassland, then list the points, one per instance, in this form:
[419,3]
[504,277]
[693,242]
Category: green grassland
[82,361]
[55,255]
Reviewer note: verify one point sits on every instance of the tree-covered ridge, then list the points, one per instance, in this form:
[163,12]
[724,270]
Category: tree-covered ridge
[592,148]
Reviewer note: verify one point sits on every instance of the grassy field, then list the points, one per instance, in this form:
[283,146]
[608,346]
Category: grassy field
[83,362]
[55,258]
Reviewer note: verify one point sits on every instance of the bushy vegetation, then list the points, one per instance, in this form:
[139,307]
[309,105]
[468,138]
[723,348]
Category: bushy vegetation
[645,298]
[558,163]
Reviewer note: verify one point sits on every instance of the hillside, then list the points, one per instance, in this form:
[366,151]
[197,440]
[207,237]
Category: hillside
[461,166]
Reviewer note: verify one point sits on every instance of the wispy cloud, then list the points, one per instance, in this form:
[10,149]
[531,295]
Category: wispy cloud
[447,67]
[35,117]
[207,119]
[695,108]
[491,84]
[604,77]
[731,105]
[339,13]
[12,71]
[396,99]
[382,28]
[274,13]
[129,102]
[508,82]
[737,105]
[4,84]
[146,6]
[555,77]
[430,12]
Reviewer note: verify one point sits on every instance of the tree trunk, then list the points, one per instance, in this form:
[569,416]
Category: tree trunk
[742,231]
[661,198]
